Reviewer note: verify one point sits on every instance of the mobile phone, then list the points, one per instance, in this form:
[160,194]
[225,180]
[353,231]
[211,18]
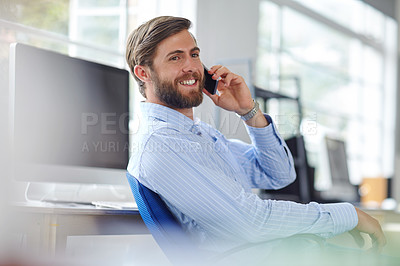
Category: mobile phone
[210,84]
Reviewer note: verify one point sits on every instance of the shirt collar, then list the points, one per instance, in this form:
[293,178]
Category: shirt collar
[172,117]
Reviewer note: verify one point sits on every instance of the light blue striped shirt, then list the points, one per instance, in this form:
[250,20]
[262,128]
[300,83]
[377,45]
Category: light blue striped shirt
[206,181]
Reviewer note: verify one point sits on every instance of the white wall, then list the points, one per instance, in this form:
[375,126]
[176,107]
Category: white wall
[4,135]
[396,181]
[226,29]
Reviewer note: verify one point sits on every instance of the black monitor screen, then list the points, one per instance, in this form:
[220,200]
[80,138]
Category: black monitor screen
[68,111]
[341,188]
[337,160]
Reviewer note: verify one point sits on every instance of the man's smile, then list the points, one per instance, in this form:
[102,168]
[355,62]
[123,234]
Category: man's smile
[188,82]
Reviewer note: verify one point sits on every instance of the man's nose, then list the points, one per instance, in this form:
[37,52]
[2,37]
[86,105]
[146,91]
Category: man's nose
[190,65]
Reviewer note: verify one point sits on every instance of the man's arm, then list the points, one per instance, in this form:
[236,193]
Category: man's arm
[205,189]
[235,96]
[269,155]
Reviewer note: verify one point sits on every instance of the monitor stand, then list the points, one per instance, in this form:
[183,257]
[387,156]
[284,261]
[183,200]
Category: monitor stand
[77,193]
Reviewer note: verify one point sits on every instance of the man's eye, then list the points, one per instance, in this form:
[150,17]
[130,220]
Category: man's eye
[174,58]
[195,55]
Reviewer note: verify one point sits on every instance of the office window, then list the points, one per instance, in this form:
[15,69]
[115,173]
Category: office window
[51,16]
[95,30]
[344,54]
[99,23]
[355,15]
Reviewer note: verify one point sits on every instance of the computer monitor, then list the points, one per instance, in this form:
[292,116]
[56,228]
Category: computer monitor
[341,188]
[337,160]
[69,118]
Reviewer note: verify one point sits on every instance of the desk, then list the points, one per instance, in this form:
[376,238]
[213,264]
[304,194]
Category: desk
[45,227]
[83,230]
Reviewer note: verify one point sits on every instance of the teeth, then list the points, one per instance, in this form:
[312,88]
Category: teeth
[188,82]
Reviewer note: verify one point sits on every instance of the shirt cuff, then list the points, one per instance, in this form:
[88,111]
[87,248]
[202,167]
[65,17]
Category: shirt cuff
[267,137]
[344,216]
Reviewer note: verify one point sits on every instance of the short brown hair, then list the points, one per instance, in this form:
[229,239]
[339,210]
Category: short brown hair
[143,41]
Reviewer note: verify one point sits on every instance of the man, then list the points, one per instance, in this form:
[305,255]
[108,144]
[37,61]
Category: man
[204,178]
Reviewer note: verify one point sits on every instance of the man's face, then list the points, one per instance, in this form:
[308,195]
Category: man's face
[177,72]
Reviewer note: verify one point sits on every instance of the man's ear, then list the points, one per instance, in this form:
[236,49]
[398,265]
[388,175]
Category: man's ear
[142,73]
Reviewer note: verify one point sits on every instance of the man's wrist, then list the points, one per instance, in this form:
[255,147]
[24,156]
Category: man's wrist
[251,113]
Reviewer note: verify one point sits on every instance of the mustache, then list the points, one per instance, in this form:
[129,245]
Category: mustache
[194,75]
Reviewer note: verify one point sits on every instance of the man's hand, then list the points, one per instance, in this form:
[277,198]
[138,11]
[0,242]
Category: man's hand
[234,95]
[370,226]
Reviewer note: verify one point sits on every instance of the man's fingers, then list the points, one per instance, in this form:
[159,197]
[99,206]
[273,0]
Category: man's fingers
[228,78]
[376,247]
[357,237]
[214,68]
[219,72]
[378,240]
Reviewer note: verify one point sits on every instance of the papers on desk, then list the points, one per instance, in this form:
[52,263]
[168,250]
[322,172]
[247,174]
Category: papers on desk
[115,205]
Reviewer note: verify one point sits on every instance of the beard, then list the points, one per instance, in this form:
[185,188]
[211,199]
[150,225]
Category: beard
[169,93]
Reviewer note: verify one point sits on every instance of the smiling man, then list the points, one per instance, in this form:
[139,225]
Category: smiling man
[204,178]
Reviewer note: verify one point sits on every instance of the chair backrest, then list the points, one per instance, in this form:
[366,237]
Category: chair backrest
[163,226]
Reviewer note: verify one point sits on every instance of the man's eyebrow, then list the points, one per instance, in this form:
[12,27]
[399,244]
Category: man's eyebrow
[181,52]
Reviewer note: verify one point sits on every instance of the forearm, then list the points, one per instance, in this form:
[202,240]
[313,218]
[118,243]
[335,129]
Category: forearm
[271,158]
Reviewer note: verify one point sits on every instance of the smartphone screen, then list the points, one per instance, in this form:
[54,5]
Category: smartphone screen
[210,84]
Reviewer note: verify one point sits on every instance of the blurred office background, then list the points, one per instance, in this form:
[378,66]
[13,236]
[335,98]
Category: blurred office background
[344,52]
